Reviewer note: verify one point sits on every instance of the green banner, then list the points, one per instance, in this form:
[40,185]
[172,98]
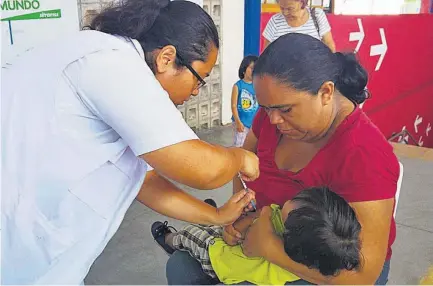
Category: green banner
[49,14]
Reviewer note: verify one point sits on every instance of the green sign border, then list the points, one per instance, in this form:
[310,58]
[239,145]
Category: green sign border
[35,16]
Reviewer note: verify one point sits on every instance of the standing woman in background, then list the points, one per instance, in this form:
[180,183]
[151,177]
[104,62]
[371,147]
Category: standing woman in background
[244,102]
[296,17]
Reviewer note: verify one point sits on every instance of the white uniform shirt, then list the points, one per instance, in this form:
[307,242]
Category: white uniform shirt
[70,139]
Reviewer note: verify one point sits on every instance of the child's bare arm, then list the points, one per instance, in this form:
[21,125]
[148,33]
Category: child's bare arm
[244,222]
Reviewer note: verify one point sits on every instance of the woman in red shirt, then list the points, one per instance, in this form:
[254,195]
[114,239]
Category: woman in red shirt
[311,132]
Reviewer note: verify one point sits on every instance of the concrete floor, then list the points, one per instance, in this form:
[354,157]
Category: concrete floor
[132,257]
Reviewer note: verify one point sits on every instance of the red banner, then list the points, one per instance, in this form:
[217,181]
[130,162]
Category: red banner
[397,51]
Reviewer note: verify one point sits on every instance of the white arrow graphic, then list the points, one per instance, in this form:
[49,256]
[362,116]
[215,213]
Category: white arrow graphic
[379,49]
[427,130]
[420,142]
[417,122]
[357,36]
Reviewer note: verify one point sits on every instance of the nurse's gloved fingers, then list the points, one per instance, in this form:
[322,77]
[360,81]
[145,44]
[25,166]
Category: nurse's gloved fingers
[250,208]
[245,200]
[252,205]
[252,193]
[233,208]
[235,198]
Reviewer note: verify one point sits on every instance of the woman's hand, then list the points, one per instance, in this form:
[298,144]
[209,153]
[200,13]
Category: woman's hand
[234,207]
[260,235]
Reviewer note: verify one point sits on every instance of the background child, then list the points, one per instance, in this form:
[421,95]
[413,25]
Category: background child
[318,227]
[244,102]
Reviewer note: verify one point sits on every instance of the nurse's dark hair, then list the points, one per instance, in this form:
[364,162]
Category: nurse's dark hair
[305,63]
[245,64]
[322,232]
[158,23]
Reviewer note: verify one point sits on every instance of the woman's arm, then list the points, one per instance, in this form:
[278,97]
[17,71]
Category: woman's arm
[375,220]
[165,198]
[328,40]
[200,165]
[325,29]
[141,112]
[269,32]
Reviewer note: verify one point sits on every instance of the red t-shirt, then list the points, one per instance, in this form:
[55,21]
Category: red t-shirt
[357,163]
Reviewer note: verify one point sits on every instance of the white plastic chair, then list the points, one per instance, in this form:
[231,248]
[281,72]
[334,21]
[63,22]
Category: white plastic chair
[397,194]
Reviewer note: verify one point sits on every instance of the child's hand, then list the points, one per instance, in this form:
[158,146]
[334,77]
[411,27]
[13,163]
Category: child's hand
[231,236]
[240,127]
[260,235]
[233,209]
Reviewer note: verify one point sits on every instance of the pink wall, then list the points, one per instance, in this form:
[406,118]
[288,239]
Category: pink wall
[425,6]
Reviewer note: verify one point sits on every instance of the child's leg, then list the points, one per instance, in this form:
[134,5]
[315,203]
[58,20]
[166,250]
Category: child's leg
[169,239]
[239,137]
[195,239]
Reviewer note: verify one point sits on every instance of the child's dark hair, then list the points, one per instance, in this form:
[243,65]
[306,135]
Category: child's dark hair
[158,23]
[322,232]
[305,63]
[245,64]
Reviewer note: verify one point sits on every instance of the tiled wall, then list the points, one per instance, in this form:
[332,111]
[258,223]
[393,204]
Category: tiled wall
[204,110]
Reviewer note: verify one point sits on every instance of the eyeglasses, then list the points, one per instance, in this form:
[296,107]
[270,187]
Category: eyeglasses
[201,81]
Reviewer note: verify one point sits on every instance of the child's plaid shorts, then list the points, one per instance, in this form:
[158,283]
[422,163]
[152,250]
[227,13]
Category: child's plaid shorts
[196,240]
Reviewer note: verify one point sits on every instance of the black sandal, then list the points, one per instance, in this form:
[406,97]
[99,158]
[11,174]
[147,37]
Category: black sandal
[211,202]
[159,231]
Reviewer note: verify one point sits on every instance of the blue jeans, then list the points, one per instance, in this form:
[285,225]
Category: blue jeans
[182,269]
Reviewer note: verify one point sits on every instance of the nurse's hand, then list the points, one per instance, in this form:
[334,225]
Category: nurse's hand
[234,207]
[250,166]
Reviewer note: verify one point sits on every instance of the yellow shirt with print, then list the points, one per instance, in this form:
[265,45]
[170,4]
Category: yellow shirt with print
[232,266]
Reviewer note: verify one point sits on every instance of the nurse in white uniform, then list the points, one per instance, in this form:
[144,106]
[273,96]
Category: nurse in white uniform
[84,118]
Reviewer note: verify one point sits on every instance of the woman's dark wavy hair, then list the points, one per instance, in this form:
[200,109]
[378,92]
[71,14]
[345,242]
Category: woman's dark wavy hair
[158,23]
[322,232]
